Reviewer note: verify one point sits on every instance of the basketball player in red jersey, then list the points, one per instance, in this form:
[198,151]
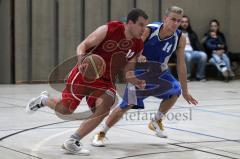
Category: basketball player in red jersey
[119,45]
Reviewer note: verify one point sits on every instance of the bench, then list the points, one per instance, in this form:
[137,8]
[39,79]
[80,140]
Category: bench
[211,71]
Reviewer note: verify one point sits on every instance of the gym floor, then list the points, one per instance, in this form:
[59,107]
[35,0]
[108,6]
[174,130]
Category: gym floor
[209,130]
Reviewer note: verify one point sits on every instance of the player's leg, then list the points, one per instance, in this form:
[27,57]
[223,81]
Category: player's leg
[113,118]
[156,122]
[167,104]
[44,100]
[65,105]
[102,108]
[169,99]
[129,100]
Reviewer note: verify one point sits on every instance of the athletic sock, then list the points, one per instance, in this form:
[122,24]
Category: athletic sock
[44,100]
[159,115]
[105,128]
[76,136]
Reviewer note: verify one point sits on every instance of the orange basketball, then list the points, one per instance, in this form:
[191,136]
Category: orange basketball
[95,68]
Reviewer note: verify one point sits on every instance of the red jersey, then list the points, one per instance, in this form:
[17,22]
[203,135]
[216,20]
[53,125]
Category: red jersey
[116,50]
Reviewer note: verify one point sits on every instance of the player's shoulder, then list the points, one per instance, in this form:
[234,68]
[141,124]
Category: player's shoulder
[155,25]
[178,32]
[115,27]
[115,24]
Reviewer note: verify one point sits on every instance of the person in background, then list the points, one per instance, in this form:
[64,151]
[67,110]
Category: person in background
[214,25]
[193,52]
[219,57]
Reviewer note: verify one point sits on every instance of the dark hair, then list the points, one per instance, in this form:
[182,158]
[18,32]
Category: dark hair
[214,20]
[135,13]
[189,28]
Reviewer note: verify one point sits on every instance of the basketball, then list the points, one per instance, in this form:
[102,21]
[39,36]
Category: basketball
[95,67]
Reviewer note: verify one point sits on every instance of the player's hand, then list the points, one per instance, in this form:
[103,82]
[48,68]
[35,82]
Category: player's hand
[141,59]
[81,66]
[188,97]
[141,84]
[80,58]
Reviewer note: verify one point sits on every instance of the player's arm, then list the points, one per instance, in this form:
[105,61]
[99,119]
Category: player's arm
[146,34]
[182,71]
[130,67]
[93,40]
[181,65]
[130,75]
[144,37]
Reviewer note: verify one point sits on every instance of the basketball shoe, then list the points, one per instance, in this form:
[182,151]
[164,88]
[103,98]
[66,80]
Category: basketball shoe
[157,126]
[98,139]
[75,147]
[36,103]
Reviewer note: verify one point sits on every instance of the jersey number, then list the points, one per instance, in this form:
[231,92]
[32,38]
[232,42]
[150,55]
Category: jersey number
[167,47]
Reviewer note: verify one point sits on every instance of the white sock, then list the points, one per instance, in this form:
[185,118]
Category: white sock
[44,100]
[105,128]
[76,136]
[159,115]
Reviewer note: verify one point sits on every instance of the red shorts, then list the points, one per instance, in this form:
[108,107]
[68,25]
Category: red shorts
[76,88]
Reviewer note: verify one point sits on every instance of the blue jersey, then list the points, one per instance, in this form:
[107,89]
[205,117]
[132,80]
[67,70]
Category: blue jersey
[160,50]
[160,84]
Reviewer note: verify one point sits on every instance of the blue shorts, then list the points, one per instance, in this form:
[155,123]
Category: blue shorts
[163,87]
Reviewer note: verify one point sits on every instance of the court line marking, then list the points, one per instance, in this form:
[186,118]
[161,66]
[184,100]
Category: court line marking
[133,111]
[193,132]
[217,154]
[32,156]
[36,148]
[216,112]
[152,153]
[202,134]
[181,142]
[45,140]
[212,111]
[23,107]
[41,143]
[20,99]
[75,127]
[28,129]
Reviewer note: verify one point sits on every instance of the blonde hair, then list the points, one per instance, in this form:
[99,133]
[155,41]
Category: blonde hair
[174,9]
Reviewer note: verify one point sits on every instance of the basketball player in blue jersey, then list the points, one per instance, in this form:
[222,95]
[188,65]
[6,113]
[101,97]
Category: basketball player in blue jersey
[161,40]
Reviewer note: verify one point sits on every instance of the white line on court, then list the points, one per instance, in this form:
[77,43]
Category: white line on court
[35,149]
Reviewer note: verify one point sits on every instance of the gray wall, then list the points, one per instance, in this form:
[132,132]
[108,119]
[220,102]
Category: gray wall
[52,32]
[152,8]
[21,40]
[5,42]
[95,17]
